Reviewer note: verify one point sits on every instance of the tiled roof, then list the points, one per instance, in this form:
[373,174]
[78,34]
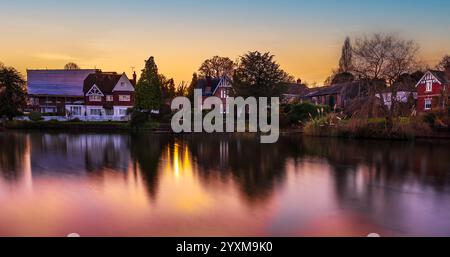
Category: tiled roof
[297,89]
[104,81]
[330,90]
[56,82]
[441,76]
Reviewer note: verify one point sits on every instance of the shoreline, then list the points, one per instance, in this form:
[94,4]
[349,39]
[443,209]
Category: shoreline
[164,128]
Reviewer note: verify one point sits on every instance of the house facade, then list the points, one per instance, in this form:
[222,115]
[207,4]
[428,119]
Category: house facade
[49,91]
[82,94]
[432,89]
[221,88]
[108,96]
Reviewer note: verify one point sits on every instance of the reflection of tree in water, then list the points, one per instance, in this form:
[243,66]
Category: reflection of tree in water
[146,151]
[12,154]
[393,162]
[257,168]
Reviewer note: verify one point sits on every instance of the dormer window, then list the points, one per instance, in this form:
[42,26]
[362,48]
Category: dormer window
[429,86]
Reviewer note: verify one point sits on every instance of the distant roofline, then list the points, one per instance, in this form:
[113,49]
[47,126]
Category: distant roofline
[63,70]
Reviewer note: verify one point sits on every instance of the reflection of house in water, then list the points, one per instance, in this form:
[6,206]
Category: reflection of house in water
[71,153]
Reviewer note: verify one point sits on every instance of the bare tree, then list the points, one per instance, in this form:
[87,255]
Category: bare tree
[384,57]
[216,67]
[71,66]
[444,63]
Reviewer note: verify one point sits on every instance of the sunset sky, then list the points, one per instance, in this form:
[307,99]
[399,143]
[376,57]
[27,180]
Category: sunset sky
[305,36]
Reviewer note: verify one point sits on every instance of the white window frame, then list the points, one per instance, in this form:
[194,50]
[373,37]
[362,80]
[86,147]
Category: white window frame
[124,98]
[429,86]
[95,98]
[428,102]
[122,112]
[75,110]
[109,98]
[91,112]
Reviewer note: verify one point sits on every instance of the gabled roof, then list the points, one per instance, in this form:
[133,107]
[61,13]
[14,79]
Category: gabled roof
[57,82]
[104,81]
[331,90]
[205,83]
[297,89]
[327,90]
[440,75]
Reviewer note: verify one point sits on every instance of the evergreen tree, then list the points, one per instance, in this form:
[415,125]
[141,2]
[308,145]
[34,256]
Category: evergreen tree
[192,85]
[148,89]
[346,62]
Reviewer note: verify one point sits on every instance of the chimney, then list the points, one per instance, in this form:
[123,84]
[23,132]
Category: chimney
[299,81]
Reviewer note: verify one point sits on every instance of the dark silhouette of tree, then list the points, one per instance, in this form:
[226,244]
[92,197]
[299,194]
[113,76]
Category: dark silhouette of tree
[346,61]
[259,75]
[182,89]
[444,63]
[168,87]
[342,77]
[12,92]
[71,66]
[148,89]
[217,67]
[384,57]
[192,85]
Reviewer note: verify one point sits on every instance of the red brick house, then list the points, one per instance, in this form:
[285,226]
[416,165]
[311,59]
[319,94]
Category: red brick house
[431,89]
[108,96]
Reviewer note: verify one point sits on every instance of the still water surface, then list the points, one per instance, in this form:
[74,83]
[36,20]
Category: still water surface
[209,185]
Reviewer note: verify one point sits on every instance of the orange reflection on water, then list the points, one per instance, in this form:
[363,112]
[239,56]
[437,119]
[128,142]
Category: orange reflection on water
[118,204]
[119,185]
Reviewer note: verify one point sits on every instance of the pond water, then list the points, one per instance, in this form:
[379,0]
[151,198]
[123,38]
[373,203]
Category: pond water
[53,184]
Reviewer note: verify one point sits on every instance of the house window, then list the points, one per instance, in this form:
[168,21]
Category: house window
[109,112]
[75,110]
[95,98]
[109,98]
[429,86]
[224,93]
[97,112]
[428,104]
[124,98]
[122,112]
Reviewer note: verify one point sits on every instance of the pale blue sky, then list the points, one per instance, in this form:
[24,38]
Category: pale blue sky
[304,35]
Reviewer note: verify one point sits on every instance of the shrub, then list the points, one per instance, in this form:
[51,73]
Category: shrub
[305,111]
[138,118]
[436,119]
[430,118]
[35,116]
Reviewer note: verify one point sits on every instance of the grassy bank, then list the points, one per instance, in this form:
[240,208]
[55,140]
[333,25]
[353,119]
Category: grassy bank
[401,128]
[78,126]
